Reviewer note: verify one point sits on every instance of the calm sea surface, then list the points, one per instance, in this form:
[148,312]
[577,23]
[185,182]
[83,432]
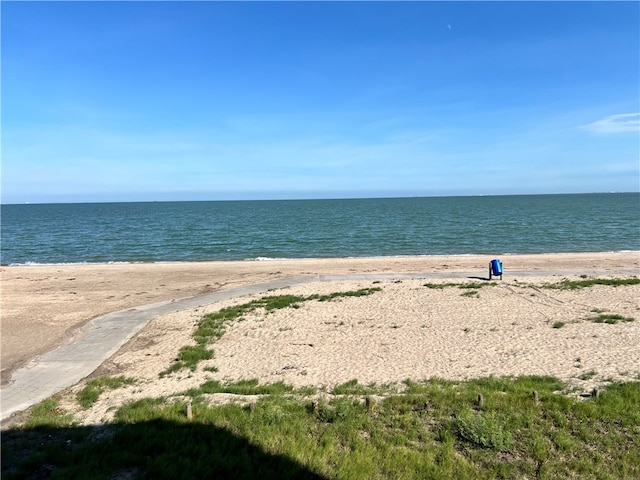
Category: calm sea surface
[242,230]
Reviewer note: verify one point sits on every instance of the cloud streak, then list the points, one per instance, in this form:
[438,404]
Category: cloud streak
[620,123]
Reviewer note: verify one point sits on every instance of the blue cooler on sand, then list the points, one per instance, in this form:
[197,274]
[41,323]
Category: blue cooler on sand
[495,269]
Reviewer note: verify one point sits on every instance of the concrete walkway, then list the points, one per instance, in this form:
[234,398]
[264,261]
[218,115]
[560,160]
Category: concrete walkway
[103,336]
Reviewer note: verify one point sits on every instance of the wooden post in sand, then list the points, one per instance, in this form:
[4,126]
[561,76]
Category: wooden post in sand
[535,397]
[480,400]
[369,403]
[189,412]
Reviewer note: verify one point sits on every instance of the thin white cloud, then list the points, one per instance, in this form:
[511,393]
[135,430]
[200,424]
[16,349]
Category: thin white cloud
[620,123]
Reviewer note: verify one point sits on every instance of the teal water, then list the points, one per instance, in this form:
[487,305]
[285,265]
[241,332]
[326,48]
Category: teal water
[242,230]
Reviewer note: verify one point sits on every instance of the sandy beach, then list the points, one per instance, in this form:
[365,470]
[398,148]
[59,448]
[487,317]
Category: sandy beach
[405,330]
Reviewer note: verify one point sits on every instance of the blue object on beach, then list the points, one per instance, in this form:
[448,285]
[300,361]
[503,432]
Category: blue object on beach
[495,268]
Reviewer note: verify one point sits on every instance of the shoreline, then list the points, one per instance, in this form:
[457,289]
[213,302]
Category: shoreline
[44,306]
[295,259]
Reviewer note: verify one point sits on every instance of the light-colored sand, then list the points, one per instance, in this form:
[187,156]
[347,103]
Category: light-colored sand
[403,331]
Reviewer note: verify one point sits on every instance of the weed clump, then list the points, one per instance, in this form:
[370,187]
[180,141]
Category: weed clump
[577,284]
[483,430]
[96,387]
[610,318]
[470,285]
[242,387]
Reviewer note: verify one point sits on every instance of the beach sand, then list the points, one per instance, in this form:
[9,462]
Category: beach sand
[405,330]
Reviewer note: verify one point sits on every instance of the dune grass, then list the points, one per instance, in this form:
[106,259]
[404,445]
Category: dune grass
[466,285]
[610,318]
[242,387]
[429,429]
[565,284]
[96,386]
[590,282]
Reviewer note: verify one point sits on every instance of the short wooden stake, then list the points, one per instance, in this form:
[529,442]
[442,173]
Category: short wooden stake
[369,403]
[252,407]
[314,406]
[189,411]
[595,393]
[480,400]
[535,397]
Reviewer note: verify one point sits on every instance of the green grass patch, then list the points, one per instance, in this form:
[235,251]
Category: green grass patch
[48,413]
[483,430]
[363,292]
[577,284]
[558,324]
[470,293]
[189,357]
[588,375]
[242,387]
[353,387]
[610,318]
[439,286]
[431,429]
[468,285]
[97,386]
[477,285]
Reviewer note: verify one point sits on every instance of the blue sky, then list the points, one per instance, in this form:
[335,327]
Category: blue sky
[126,101]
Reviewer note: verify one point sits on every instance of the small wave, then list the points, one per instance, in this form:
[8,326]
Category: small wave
[273,259]
[56,264]
[267,259]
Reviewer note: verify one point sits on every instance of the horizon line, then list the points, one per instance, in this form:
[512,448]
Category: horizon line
[391,197]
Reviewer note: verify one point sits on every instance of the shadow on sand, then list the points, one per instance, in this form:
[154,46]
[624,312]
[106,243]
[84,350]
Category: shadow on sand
[154,449]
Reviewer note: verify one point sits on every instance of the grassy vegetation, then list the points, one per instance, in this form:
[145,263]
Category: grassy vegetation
[558,324]
[588,375]
[212,326]
[477,285]
[585,283]
[242,387]
[485,431]
[440,286]
[563,285]
[432,429]
[353,387]
[188,357]
[49,413]
[96,386]
[470,285]
[470,293]
[610,318]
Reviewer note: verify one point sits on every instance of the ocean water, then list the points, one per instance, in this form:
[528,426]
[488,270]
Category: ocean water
[256,230]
